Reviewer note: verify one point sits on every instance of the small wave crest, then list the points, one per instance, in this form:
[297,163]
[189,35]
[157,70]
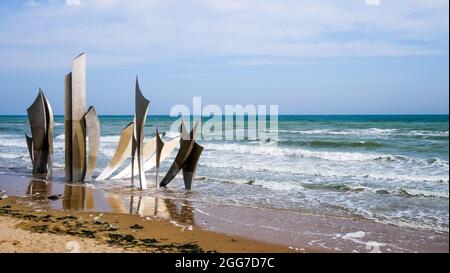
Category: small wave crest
[13,155]
[344,132]
[13,142]
[296,186]
[330,174]
[110,139]
[405,192]
[332,144]
[272,150]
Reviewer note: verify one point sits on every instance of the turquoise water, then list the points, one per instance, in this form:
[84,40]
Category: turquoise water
[392,169]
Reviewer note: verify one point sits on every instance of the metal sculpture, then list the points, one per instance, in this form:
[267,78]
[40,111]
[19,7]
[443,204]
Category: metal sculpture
[40,144]
[30,146]
[50,127]
[137,147]
[121,154]
[76,166]
[93,133]
[148,151]
[167,149]
[186,159]
[159,147]
[190,166]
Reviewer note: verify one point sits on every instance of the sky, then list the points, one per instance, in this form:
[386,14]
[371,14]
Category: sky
[307,57]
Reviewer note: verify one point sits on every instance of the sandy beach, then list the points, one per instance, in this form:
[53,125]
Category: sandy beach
[24,229]
[14,239]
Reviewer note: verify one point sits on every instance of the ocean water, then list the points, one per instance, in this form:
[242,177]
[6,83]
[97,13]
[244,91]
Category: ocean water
[390,169]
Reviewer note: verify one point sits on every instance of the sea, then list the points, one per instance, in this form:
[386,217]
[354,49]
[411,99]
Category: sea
[391,169]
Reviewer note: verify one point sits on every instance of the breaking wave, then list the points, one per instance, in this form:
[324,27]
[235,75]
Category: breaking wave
[332,144]
[302,153]
[289,186]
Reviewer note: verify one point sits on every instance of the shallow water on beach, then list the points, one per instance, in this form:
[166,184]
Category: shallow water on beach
[391,169]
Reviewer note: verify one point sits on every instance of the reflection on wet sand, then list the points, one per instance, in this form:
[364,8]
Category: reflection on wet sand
[78,197]
[184,215]
[179,210]
[37,192]
[39,189]
[81,197]
[116,204]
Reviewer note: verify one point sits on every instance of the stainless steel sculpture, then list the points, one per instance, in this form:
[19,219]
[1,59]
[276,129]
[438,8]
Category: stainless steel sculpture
[50,126]
[167,149]
[186,159]
[75,124]
[93,133]
[40,144]
[148,151]
[122,152]
[30,146]
[190,166]
[149,157]
[159,147]
[137,147]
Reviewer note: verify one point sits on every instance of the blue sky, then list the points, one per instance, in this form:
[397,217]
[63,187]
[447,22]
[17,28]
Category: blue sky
[309,57]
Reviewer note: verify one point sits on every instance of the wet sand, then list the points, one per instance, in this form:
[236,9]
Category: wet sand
[211,227]
[40,228]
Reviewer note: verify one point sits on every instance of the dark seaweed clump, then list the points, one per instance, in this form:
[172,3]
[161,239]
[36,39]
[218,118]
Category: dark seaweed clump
[136,226]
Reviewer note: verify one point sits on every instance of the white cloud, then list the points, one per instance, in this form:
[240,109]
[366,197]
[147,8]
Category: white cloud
[73,2]
[373,2]
[32,3]
[116,32]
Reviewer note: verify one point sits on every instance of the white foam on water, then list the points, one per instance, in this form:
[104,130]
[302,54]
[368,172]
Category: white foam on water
[301,153]
[422,193]
[365,132]
[272,185]
[171,134]
[356,132]
[279,185]
[58,145]
[428,133]
[111,139]
[13,155]
[13,142]
[407,178]
[333,172]
[353,235]
[289,186]
[108,152]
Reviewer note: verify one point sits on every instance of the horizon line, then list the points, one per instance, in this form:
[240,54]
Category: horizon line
[394,114]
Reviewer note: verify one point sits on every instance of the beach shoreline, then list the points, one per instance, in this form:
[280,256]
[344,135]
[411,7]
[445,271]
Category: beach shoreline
[25,228]
[239,229]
